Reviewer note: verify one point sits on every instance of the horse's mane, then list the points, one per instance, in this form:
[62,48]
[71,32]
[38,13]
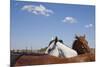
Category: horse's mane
[56,40]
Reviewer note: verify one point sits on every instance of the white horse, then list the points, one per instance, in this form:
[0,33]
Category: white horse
[52,49]
[57,48]
[66,51]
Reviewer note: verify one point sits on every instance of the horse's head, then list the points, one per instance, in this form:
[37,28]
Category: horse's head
[81,39]
[52,45]
[81,45]
[57,48]
[54,41]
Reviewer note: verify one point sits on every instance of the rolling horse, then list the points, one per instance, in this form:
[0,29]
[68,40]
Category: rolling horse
[57,52]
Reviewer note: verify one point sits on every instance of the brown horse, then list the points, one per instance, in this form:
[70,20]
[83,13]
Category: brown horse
[81,45]
[47,59]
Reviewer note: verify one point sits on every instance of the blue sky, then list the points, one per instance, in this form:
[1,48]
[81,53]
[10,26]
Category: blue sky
[35,23]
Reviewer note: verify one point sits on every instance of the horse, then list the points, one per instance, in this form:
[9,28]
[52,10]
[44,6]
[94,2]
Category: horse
[57,48]
[50,57]
[66,51]
[52,48]
[81,45]
[30,60]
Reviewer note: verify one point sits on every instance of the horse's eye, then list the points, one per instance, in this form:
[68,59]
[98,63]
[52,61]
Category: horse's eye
[49,50]
[82,47]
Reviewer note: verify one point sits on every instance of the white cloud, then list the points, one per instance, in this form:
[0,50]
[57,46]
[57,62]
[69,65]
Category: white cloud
[38,10]
[88,25]
[69,20]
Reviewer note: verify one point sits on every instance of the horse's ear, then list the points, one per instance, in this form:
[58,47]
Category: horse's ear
[76,36]
[56,39]
[84,36]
